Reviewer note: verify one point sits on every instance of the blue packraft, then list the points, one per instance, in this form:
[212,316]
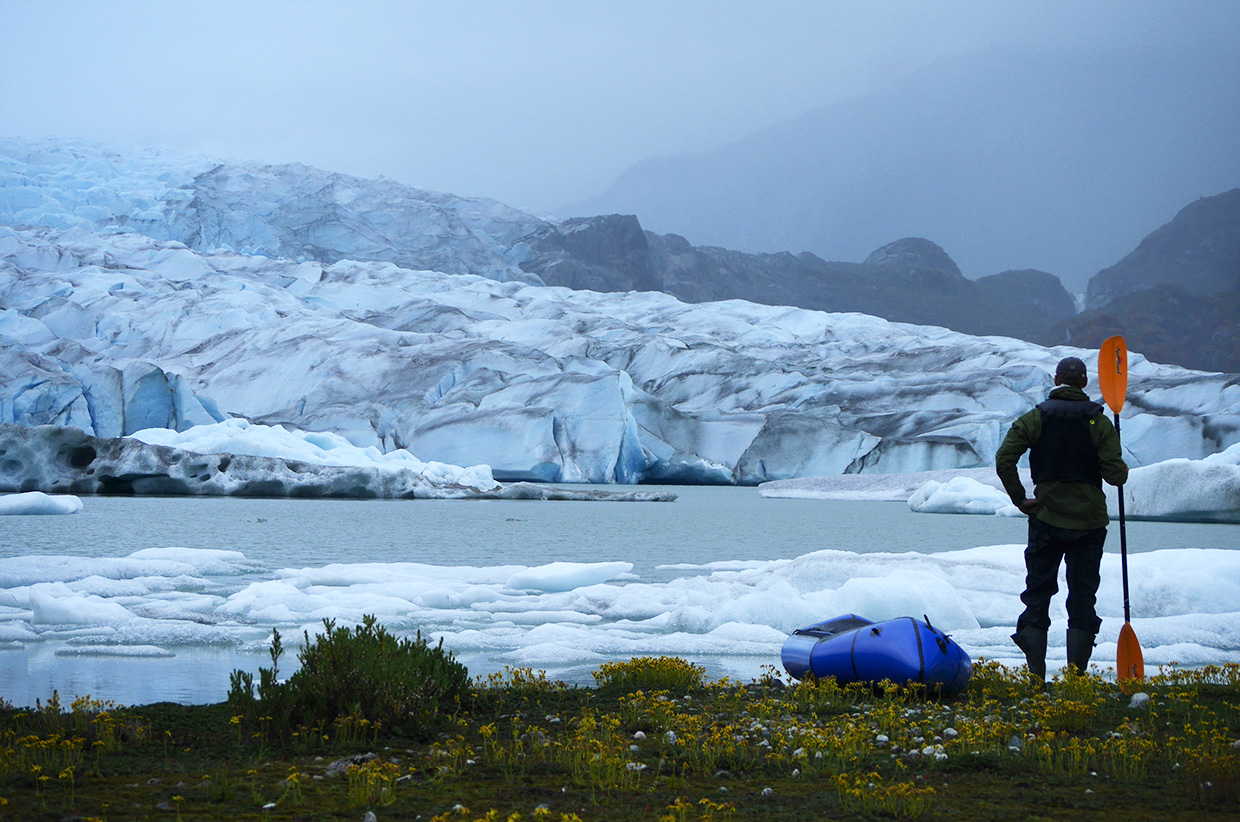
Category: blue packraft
[854,649]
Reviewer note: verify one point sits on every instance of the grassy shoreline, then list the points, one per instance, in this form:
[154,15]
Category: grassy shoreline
[652,741]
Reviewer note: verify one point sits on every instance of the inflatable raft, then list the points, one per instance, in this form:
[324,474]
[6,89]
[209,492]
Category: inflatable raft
[854,649]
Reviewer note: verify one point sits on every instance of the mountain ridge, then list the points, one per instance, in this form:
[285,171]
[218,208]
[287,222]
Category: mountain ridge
[975,153]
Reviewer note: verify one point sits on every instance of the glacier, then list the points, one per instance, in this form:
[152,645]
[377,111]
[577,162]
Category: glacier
[142,289]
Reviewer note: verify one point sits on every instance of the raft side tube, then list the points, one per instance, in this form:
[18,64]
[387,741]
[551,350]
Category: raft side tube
[802,652]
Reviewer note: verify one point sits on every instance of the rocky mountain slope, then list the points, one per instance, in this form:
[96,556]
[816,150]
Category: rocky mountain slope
[910,280]
[1177,296]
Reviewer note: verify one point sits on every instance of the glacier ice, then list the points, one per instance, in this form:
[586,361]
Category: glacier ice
[239,458]
[66,460]
[145,289]
[540,383]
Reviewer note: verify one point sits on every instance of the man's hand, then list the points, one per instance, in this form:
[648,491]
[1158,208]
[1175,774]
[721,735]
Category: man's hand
[1029,506]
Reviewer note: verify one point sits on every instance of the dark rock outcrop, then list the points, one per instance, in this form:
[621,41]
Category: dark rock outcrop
[609,253]
[1037,289]
[911,280]
[1199,250]
[1176,298]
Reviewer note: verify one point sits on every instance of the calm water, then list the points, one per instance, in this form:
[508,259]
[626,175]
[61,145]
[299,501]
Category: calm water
[703,525]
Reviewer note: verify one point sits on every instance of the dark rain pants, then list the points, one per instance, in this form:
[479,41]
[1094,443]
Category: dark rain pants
[1081,551]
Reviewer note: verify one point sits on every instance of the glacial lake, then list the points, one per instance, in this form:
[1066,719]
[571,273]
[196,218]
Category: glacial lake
[712,549]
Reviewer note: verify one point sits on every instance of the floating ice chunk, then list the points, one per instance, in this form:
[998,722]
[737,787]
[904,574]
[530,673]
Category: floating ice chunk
[566,576]
[876,487]
[56,604]
[551,653]
[1181,489]
[146,651]
[961,495]
[37,502]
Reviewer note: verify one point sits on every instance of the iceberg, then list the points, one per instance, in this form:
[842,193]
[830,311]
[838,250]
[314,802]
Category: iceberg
[961,495]
[1175,490]
[37,502]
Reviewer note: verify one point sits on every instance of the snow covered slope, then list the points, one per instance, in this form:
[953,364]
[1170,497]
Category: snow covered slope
[540,383]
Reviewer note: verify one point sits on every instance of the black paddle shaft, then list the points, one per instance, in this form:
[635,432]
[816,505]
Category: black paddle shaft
[1123,537]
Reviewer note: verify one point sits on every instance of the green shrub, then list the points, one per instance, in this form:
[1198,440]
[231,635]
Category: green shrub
[365,674]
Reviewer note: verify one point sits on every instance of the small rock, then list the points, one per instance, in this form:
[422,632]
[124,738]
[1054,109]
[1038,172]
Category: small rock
[639,736]
[1139,700]
[767,791]
[340,766]
[370,817]
[164,806]
[154,780]
[723,774]
[1016,744]
[951,733]
[796,772]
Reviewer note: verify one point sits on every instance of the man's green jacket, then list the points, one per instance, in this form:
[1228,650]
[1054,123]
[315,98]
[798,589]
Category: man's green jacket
[1077,505]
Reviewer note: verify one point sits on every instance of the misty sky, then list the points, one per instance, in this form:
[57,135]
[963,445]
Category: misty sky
[538,103]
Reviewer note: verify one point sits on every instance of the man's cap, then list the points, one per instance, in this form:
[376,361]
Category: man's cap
[1070,367]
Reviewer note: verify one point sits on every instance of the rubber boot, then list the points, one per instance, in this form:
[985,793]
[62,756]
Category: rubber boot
[1033,642]
[1080,646]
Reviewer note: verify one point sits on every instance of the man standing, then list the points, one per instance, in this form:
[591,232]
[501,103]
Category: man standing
[1072,448]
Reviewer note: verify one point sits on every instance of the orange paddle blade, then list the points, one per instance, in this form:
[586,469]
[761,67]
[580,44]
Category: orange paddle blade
[1113,372]
[1129,664]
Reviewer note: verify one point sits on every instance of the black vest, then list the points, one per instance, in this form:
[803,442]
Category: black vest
[1065,451]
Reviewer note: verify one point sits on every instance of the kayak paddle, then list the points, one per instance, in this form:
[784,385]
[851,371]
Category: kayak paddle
[1113,380]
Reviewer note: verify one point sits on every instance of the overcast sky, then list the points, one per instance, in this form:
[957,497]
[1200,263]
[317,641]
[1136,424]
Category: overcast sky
[536,103]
